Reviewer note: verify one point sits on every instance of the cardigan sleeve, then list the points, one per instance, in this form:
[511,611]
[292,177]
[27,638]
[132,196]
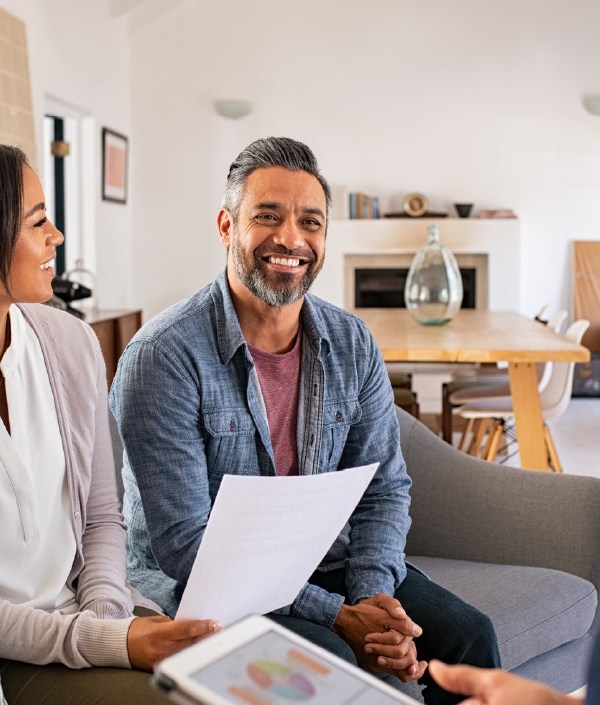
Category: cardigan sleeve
[96,635]
[101,583]
[77,640]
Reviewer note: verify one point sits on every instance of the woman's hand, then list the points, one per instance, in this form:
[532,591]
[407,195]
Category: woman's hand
[151,639]
[487,686]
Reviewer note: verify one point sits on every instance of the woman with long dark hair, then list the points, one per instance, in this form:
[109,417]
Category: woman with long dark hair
[65,607]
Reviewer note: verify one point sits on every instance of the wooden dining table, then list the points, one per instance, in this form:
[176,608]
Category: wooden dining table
[483,336]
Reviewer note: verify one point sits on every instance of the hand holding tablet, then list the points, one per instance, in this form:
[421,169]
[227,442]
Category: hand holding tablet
[257,662]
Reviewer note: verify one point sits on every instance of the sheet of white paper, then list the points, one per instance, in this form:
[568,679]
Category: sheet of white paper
[264,538]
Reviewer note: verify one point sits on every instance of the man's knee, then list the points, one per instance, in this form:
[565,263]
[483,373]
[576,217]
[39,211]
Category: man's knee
[486,635]
[479,643]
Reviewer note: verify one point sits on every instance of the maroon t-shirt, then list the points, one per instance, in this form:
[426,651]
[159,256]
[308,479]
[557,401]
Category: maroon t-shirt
[279,377]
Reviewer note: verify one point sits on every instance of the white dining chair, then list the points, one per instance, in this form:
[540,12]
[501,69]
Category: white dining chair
[487,383]
[487,417]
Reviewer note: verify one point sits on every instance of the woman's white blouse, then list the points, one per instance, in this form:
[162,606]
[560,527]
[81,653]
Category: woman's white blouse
[37,539]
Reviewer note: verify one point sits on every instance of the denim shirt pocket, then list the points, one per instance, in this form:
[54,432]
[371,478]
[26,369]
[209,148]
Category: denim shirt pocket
[338,417]
[230,445]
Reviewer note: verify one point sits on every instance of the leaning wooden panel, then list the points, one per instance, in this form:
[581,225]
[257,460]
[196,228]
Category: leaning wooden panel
[586,289]
[16,115]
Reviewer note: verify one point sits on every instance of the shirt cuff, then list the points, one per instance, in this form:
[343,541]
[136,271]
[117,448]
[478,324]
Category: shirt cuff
[367,583]
[103,642]
[317,605]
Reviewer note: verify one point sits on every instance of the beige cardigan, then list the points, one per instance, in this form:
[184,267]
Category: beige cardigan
[97,634]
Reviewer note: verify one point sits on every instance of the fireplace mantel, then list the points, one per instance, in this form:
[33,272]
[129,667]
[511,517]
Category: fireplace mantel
[498,239]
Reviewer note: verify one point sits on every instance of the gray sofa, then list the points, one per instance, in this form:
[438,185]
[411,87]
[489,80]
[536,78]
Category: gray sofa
[522,546]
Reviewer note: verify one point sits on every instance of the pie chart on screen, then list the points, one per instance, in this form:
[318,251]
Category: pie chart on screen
[280,680]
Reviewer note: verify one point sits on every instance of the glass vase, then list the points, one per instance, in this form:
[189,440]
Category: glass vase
[433,292]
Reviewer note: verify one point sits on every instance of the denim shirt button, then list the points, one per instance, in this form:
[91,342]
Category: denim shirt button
[339,417]
[232,426]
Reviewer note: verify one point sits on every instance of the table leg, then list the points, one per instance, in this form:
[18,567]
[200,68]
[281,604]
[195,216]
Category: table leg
[528,415]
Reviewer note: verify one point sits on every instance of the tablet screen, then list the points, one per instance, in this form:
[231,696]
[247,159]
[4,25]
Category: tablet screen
[272,670]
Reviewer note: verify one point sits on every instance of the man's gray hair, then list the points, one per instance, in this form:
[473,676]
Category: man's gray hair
[266,152]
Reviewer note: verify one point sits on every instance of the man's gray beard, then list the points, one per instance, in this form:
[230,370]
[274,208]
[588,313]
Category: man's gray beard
[283,295]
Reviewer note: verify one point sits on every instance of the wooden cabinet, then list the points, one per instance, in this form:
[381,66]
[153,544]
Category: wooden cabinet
[114,328]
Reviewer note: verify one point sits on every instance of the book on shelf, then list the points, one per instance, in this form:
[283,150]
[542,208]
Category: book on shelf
[363,206]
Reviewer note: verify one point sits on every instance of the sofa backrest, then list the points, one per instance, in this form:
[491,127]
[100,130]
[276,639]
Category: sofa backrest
[469,509]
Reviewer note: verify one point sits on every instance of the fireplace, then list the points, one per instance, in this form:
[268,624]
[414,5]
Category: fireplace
[377,281]
[491,246]
[384,287]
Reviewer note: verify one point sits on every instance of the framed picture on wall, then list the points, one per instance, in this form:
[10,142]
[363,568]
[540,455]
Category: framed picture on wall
[114,166]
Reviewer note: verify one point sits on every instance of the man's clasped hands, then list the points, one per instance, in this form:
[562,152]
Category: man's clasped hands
[382,635]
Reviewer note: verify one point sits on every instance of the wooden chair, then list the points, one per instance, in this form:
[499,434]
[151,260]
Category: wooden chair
[487,418]
[404,396]
[487,381]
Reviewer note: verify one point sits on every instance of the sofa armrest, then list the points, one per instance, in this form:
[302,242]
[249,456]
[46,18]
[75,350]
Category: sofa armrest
[468,509]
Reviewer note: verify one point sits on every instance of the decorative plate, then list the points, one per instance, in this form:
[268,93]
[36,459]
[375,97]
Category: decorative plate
[415,204]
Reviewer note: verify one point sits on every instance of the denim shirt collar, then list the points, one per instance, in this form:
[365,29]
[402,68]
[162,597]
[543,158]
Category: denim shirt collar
[229,334]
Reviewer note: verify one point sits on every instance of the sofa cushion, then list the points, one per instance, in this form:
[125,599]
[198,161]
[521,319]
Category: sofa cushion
[533,610]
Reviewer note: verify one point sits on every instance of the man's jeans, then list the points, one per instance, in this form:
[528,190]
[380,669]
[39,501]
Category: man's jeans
[453,631]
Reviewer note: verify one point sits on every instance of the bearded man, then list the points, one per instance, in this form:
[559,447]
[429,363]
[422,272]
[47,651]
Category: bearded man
[252,375]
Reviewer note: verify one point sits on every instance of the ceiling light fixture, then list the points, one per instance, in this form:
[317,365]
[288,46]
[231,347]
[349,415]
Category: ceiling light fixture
[591,102]
[233,108]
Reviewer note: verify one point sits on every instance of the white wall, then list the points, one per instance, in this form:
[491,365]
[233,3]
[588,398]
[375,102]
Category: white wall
[79,56]
[464,101]
[468,100]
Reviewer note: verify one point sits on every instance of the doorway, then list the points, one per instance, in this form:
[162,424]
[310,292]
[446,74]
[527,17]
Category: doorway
[56,152]
[68,167]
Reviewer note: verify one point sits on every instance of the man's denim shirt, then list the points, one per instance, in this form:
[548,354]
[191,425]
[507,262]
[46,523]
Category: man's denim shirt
[190,410]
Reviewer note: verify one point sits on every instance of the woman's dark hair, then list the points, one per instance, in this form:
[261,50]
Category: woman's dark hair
[12,161]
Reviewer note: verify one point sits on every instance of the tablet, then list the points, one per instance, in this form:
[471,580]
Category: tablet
[257,662]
